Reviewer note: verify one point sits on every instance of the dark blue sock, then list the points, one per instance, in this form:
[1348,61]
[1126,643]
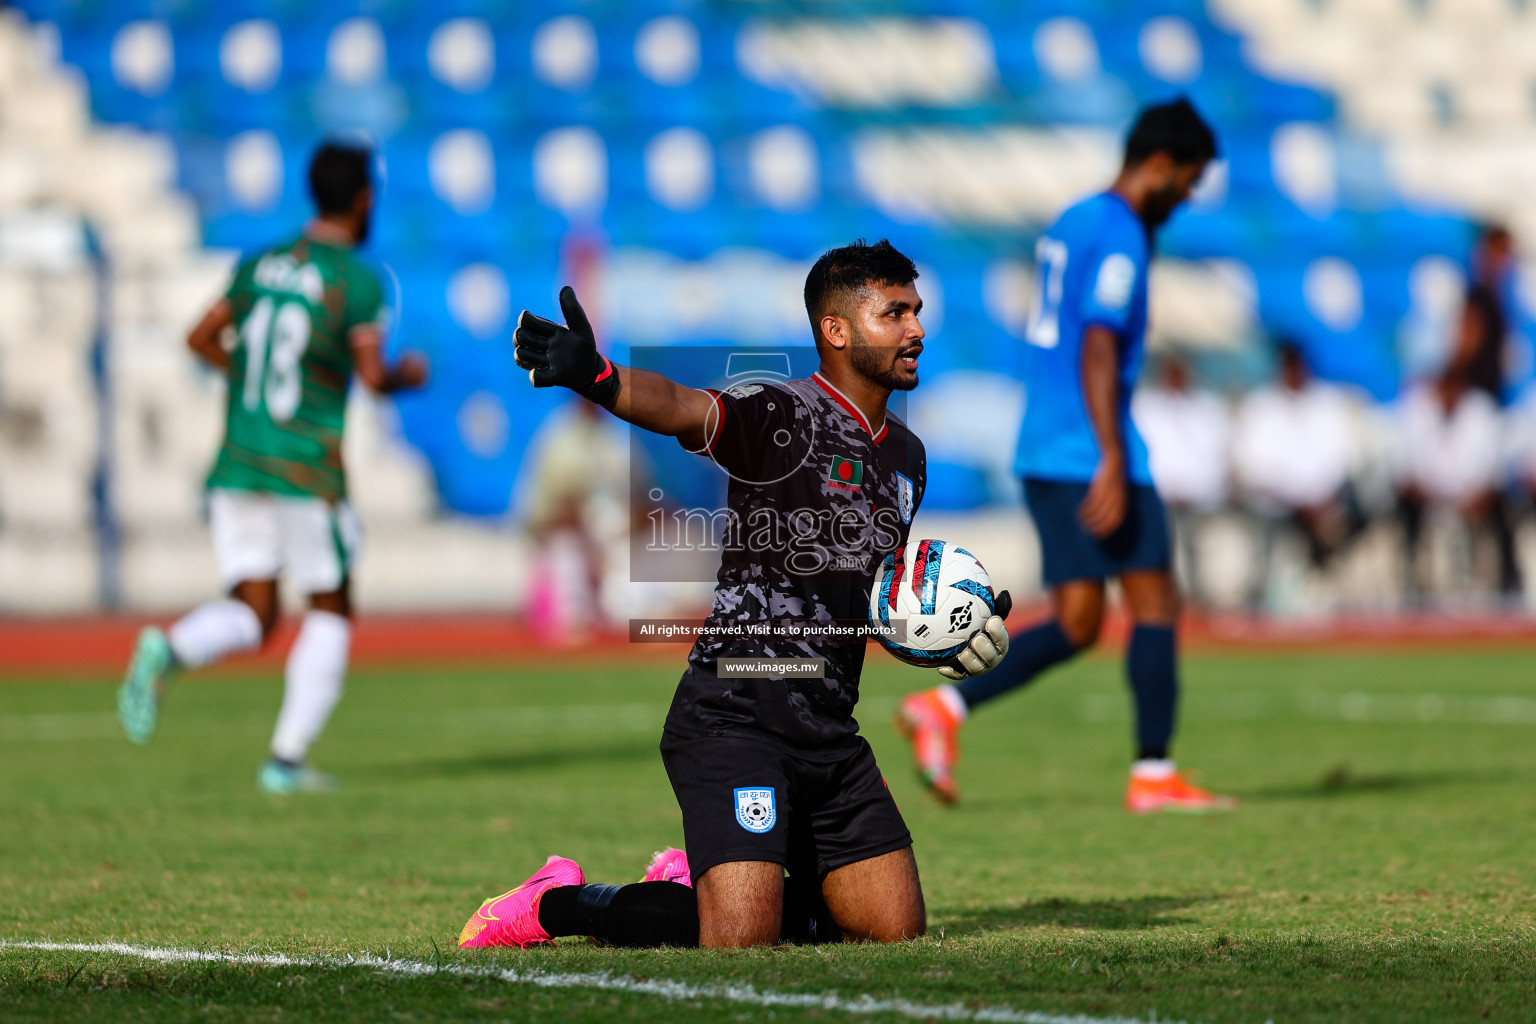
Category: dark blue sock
[1029,654]
[1151,666]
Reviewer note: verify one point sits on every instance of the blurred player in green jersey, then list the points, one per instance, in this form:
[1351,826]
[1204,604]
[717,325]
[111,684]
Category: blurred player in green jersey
[306,316]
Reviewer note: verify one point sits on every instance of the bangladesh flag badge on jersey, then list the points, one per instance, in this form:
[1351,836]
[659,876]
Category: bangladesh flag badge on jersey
[848,473]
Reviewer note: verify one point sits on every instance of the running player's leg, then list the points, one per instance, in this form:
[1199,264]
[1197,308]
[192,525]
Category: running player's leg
[245,542]
[319,545]
[879,899]
[1151,659]
[239,623]
[1152,670]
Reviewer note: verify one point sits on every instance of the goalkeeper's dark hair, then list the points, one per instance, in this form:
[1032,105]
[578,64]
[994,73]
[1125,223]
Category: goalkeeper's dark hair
[1174,128]
[337,173]
[842,273]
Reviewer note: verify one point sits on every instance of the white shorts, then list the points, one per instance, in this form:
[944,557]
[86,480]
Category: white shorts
[257,536]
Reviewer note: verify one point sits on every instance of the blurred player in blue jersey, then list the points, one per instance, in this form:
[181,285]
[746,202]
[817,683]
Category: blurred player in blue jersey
[1084,465]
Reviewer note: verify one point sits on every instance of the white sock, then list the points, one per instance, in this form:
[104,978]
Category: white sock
[953,701]
[1153,769]
[317,667]
[213,630]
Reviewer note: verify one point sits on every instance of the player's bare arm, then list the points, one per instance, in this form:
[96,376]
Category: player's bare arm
[368,362]
[207,338]
[1104,508]
[566,355]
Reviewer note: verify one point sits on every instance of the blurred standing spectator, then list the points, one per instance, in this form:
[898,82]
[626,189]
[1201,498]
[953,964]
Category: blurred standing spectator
[576,510]
[1188,433]
[1292,452]
[1520,436]
[1480,356]
[1481,338]
[1451,457]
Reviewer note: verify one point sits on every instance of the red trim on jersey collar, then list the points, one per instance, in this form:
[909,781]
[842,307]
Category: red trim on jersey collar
[853,410]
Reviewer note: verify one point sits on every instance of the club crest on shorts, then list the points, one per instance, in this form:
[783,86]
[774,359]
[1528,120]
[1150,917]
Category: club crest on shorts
[904,498]
[755,809]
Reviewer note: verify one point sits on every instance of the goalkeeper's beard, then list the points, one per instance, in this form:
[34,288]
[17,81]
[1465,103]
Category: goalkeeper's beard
[869,362]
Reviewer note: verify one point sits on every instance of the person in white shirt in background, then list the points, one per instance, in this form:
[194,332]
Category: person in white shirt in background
[1188,433]
[1450,456]
[1520,454]
[1292,453]
[575,508]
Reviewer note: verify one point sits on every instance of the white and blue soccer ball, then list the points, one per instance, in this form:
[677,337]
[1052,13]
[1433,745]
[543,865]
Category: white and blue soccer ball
[927,600]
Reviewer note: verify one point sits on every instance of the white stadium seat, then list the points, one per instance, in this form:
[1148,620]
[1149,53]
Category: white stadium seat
[167,571]
[48,572]
[878,62]
[37,495]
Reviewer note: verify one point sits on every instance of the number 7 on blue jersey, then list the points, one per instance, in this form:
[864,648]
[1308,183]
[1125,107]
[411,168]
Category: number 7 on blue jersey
[1045,326]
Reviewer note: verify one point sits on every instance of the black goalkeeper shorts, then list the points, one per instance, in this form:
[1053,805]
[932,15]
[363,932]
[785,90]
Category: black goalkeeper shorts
[750,799]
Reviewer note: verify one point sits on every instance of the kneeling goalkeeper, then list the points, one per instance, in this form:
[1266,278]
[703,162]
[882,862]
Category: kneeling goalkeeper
[771,773]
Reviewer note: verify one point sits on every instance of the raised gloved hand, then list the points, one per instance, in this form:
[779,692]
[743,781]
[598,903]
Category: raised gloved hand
[565,356]
[987,646]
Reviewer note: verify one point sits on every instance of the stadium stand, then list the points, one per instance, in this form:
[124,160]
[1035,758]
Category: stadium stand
[672,157]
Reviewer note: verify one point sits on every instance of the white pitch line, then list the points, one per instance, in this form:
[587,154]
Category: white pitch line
[663,988]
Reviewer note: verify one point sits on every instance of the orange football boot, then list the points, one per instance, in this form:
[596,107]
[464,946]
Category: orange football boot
[1172,792]
[934,731]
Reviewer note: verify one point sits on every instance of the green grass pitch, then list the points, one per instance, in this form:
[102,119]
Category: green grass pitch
[1382,866]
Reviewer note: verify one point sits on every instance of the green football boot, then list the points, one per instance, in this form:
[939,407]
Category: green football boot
[138,699]
[281,779]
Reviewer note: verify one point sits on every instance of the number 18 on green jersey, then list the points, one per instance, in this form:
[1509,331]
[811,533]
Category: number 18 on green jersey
[294,307]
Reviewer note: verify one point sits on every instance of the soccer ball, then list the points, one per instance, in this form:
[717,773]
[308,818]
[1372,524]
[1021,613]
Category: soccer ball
[935,595]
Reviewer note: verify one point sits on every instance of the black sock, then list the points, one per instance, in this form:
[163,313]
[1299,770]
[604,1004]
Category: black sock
[642,914]
[1152,668]
[806,919]
[667,913]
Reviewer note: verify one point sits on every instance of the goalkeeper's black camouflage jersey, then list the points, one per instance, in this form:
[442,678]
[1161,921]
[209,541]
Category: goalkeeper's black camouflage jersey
[817,499]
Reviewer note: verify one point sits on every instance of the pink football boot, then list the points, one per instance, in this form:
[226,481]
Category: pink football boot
[669,865]
[512,919]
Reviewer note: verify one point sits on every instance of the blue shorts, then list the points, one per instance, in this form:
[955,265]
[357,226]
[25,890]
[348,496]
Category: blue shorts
[1069,552]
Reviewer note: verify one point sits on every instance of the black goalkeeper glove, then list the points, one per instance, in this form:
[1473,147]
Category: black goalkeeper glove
[567,356]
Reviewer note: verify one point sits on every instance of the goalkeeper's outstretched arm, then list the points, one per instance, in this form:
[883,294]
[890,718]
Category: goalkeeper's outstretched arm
[566,355]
